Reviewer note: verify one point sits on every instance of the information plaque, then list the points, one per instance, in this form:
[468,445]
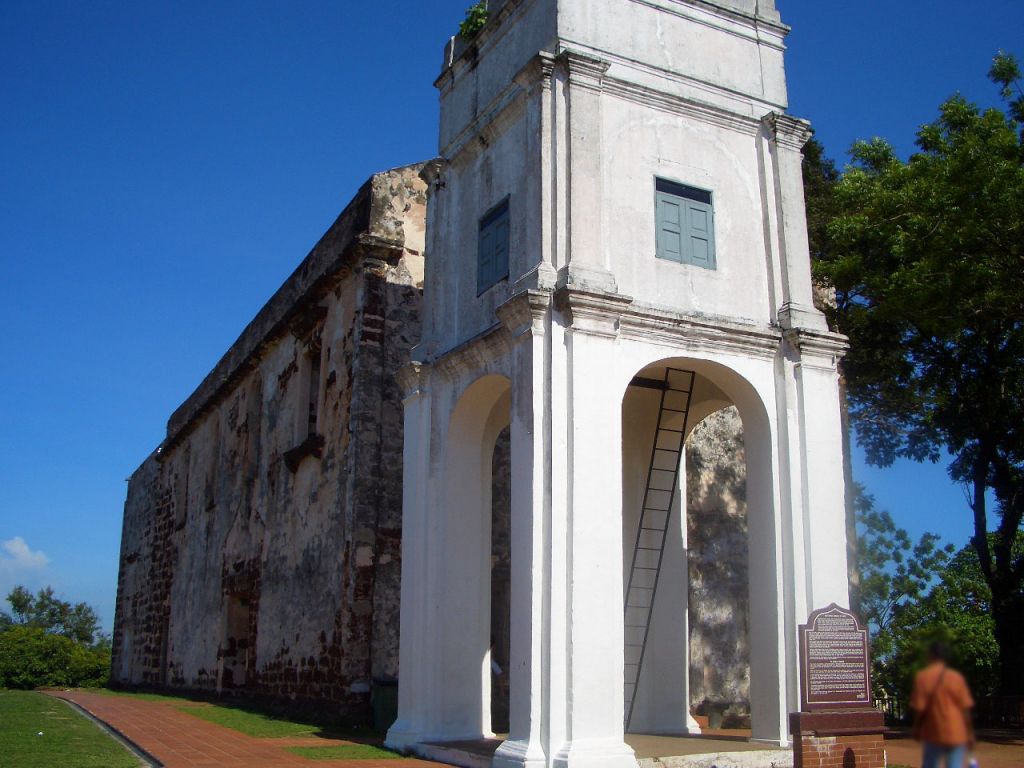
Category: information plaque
[834,661]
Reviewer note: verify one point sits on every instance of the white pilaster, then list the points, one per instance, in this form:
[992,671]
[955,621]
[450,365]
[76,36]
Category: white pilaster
[823,491]
[786,137]
[416,652]
[527,317]
[587,267]
[594,509]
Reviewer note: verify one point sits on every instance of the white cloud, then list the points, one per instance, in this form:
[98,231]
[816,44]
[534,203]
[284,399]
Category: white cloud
[17,557]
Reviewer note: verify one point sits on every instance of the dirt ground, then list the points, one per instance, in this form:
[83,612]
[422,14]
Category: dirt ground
[995,749]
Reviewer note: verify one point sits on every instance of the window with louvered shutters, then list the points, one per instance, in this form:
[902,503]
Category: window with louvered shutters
[492,248]
[685,222]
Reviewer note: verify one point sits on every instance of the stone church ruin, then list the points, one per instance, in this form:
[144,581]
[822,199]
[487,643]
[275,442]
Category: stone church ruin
[545,431]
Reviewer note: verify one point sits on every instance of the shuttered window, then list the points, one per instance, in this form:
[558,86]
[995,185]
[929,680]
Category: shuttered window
[492,248]
[685,224]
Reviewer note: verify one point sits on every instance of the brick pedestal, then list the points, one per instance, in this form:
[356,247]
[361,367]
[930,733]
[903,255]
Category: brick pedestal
[852,738]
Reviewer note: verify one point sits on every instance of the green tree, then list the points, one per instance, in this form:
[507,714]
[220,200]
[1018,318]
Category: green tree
[820,177]
[896,576]
[926,259]
[916,592]
[45,611]
[956,610]
[46,641]
[895,572]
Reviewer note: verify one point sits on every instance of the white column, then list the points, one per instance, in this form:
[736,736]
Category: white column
[823,487]
[526,317]
[594,510]
[689,723]
[416,651]
[769,553]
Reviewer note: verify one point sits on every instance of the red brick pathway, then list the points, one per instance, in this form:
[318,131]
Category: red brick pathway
[180,740]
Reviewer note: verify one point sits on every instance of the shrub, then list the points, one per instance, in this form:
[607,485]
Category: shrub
[476,17]
[31,658]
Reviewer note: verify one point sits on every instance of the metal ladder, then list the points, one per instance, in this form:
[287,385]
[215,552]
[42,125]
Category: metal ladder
[662,484]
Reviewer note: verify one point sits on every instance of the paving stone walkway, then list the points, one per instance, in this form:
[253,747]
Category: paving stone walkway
[179,740]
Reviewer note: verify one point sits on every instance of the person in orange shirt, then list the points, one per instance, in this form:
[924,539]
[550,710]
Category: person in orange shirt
[942,706]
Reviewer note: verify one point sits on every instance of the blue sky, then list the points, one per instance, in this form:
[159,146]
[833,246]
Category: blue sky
[163,167]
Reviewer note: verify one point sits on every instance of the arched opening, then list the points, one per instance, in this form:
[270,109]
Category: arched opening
[501,579]
[474,602]
[690,572]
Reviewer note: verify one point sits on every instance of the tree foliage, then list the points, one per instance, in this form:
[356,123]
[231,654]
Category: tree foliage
[926,258]
[45,641]
[916,592]
[45,611]
[32,658]
[894,571]
[476,17]
[820,177]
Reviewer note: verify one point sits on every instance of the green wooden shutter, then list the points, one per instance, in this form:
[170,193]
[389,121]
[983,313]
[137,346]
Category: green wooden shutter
[500,262]
[684,220]
[485,258]
[670,227]
[700,234]
[492,248]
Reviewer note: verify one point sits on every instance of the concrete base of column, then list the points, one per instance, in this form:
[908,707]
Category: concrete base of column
[519,754]
[401,736]
[595,753]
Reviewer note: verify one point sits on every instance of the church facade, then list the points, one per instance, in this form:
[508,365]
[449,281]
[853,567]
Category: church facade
[546,429]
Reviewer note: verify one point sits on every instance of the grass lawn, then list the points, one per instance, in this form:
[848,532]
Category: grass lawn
[345,752]
[68,738]
[250,723]
[166,698]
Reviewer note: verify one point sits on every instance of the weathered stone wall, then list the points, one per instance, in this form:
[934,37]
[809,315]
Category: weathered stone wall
[260,555]
[258,559]
[717,545]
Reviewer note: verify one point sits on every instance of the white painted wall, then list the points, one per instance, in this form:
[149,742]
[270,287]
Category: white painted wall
[571,109]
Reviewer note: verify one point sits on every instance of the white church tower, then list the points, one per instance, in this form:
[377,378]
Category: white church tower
[616,249]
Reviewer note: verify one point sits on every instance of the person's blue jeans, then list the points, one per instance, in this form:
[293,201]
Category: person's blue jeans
[936,755]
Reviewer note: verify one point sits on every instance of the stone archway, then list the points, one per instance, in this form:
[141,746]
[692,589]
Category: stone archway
[664,688]
[481,414]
